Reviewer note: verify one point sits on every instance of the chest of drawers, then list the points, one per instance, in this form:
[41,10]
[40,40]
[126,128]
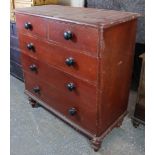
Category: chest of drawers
[77,63]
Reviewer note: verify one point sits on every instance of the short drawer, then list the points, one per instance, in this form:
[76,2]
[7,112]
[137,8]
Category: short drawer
[83,66]
[31,25]
[78,111]
[76,36]
[74,88]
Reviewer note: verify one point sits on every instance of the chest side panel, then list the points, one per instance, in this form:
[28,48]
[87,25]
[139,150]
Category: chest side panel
[115,72]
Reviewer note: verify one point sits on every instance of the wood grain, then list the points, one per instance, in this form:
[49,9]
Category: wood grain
[85,66]
[39,25]
[103,49]
[84,38]
[85,111]
[85,16]
[84,92]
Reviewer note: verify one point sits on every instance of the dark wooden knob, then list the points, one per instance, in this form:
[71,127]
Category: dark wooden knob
[70,61]
[72,111]
[68,35]
[33,68]
[30,46]
[71,86]
[28,26]
[36,89]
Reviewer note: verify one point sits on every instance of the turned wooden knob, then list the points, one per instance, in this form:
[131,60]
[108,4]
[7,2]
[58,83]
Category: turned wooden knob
[72,111]
[68,35]
[71,86]
[28,26]
[33,68]
[30,46]
[70,61]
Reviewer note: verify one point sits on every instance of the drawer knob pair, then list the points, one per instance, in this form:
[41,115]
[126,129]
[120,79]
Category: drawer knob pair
[36,90]
[28,26]
[71,86]
[68,35]
[33,68]
[70,61]
[72,111]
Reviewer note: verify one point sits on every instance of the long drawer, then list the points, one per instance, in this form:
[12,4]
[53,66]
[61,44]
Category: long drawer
[83,66]
[67,34]
[73,88]
[75,110]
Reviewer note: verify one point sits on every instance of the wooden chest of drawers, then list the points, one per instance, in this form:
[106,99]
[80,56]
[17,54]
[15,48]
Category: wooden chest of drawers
[77,63]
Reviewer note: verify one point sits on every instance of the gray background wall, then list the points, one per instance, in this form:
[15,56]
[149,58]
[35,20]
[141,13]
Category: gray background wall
[125,5]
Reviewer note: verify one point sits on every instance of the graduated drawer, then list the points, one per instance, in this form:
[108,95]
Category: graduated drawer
[84,66]
[31,25]
[74,88]
[78,111]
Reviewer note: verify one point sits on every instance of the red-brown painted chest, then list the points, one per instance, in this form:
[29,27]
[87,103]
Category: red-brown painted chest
[77,63]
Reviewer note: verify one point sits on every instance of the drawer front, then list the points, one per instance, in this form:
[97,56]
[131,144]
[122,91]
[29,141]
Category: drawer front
[81,37]
[84,66]
[72,87]
[32,25]
[85,114]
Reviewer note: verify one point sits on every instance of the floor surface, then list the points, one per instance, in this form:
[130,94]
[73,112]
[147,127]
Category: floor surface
[38,132]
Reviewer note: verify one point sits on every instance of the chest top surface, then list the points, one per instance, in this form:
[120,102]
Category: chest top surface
[86,16]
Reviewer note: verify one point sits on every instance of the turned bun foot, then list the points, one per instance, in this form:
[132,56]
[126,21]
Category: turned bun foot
[135,123]
[33,103]
[119,123]
[95,144]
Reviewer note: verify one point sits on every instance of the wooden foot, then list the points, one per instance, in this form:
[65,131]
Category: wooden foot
[95,144]
[33,103]
[119,123]
[135,123]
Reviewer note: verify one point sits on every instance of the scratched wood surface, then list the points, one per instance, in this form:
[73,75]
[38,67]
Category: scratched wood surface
[101,42]
[88,16]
